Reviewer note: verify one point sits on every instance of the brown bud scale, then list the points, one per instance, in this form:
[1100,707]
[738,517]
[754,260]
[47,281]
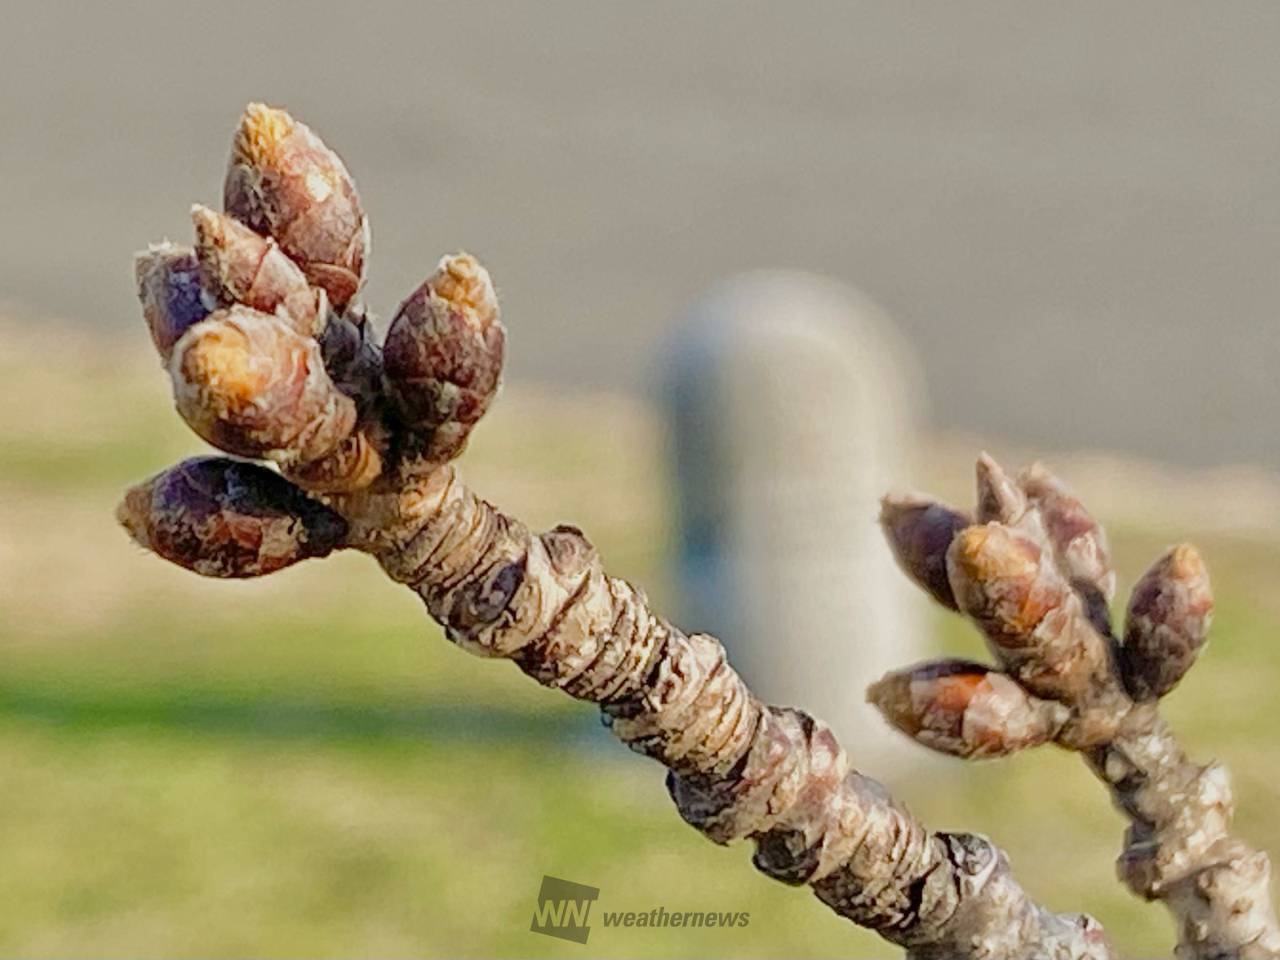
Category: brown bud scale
[1168,621]
[284,182]
[443,354]
[920,531]
[169,287]
[250,385]
[965,709]
[238,265]
[225,518]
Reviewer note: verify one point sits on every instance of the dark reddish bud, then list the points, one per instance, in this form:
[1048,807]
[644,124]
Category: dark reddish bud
[1079,541]
[240,266]
[443,354]
[920,531]
[171,293]
[965,709]
[284,182]
[1167,624]
[225,518]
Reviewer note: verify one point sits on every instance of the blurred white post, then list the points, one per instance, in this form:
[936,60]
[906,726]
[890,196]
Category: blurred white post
[792,402]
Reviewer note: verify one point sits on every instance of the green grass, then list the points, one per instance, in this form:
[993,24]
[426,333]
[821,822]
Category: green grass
[299,766]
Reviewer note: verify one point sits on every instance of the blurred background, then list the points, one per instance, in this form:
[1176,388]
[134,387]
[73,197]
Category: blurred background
[1063,221]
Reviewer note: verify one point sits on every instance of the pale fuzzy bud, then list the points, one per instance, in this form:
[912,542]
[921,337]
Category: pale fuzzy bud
[226,518]
[240,266]
[1079,541]
[171,293]
[920,531]
[1168,621]
[284,182]
[252,386]
[443,354]
[965,709]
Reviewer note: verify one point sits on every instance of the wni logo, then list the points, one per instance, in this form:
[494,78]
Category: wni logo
[563,910]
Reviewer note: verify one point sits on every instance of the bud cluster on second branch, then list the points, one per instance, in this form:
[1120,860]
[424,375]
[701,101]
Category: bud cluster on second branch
[1032,570]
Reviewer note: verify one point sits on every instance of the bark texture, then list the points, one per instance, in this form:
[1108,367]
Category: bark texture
[739,768]
[263,368]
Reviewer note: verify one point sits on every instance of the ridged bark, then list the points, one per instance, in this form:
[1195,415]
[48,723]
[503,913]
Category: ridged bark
[739,768]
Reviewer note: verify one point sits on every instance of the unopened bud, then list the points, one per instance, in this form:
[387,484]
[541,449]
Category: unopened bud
[1168,621]
[226,518]
[999,498]
[240,266]
[443,353]
[171,293]
[1034,622]
[250,385]
[284,182]
[965,709]
[1079,541]
[999,578]
[920,531]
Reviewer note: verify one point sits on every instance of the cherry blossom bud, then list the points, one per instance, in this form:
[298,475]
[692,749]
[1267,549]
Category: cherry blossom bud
[249,384]
[225,518]
[284,182]
[920,531]
[240,266]
[443,354]
[171,293]
[999,498]
[1079,541]
[998,578]
[1035,623]
[1167,624]
[965,709]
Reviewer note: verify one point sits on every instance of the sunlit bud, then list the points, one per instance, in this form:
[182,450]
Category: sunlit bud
[252,386]
[284,182]
[999,578]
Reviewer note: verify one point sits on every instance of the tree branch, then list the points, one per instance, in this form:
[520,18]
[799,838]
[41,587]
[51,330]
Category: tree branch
[1036,578]
[739,768]
[272,357]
